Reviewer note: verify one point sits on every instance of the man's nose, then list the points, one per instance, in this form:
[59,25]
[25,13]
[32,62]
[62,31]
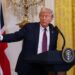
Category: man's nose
[44,17]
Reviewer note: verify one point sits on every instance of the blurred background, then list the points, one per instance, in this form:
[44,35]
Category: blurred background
[18,12]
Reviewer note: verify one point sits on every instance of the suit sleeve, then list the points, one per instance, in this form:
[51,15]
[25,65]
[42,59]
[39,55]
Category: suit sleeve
[14,37]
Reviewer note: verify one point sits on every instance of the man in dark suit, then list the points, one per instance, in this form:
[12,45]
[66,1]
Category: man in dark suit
[32,34]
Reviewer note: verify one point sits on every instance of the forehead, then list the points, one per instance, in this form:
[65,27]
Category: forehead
[45,14]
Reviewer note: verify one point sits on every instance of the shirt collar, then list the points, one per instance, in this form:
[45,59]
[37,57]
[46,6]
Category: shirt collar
[42,28]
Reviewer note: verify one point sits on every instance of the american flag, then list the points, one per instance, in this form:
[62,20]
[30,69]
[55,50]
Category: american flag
[4,62]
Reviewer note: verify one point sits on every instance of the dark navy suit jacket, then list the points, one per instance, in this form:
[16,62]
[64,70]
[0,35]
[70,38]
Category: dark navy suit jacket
[30,36]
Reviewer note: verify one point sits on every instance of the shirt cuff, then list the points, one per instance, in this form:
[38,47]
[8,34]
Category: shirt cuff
[1,37]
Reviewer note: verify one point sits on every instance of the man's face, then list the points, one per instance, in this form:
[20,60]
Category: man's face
[45,18]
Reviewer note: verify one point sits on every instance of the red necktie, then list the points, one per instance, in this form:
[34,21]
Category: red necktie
[44,41]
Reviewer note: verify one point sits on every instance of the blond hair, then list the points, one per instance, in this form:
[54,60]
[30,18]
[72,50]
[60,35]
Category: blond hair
[44,9]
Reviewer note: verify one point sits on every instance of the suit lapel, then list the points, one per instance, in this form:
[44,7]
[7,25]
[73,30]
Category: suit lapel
[51,36]
[36,35]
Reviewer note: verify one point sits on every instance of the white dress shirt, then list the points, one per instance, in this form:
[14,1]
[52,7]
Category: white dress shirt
[41,37]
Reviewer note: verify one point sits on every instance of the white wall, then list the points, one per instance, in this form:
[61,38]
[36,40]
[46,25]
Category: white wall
[13,49]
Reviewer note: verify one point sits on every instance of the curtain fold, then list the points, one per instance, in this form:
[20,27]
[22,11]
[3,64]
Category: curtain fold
[65,20]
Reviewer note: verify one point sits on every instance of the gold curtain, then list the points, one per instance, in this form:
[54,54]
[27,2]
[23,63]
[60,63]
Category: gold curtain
[73,17]
[73,9]
[65,20]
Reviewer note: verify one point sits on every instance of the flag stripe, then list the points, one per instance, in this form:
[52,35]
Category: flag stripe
[4,62]
[1,72]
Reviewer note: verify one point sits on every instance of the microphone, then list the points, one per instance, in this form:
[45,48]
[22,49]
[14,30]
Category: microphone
[68,54]
[62,36]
